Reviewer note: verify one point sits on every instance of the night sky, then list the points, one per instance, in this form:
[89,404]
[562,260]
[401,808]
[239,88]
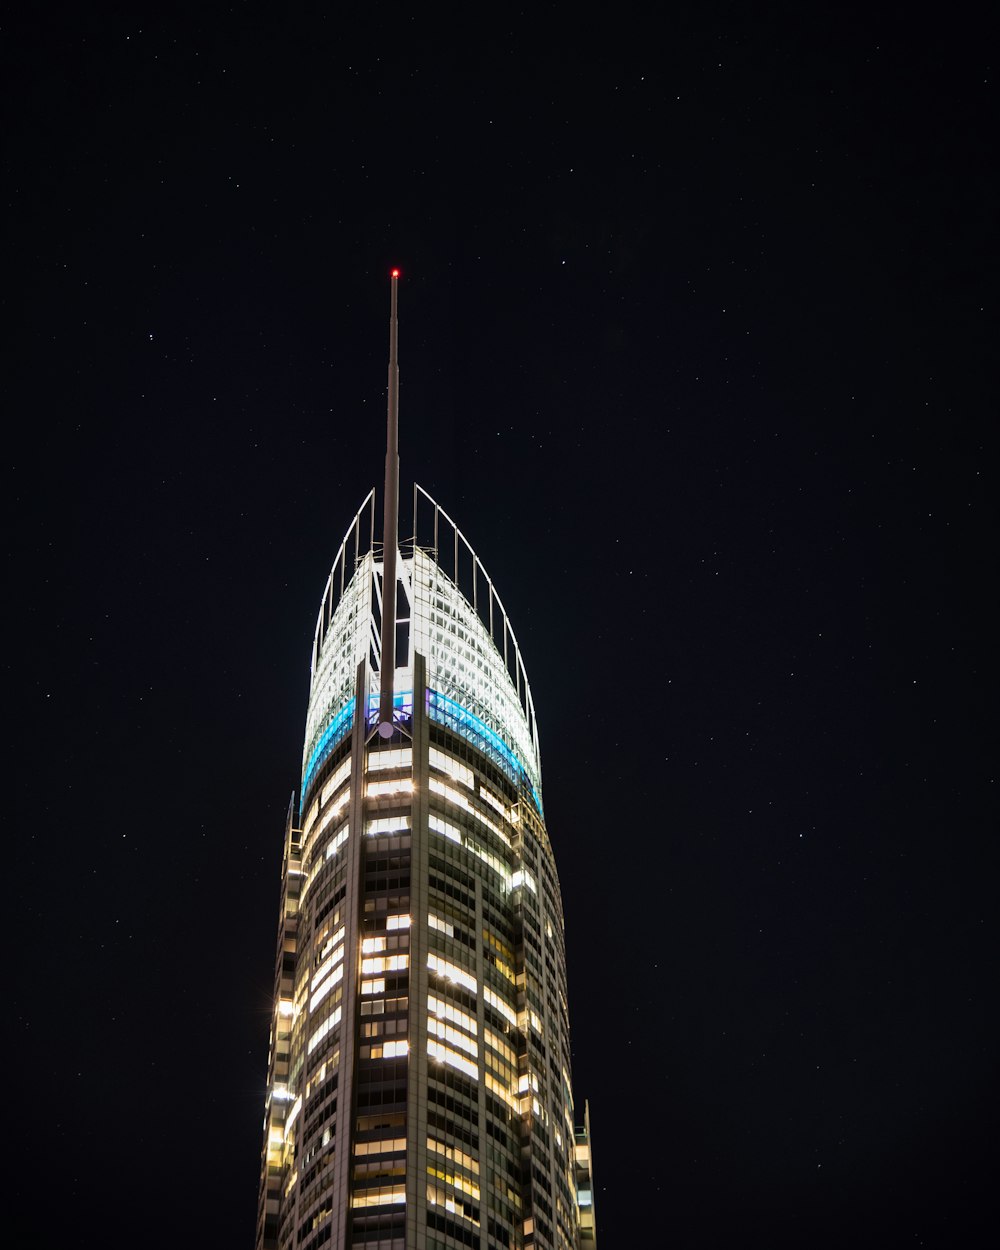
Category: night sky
[695,322]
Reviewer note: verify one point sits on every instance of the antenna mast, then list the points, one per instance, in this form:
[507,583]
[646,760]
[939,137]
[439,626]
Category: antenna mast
[390,529]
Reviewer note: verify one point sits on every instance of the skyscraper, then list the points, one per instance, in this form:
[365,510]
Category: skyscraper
[419,1089]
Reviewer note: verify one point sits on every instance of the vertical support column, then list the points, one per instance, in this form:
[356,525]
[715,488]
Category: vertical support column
[416,1106]
[390,527]
[340,1188]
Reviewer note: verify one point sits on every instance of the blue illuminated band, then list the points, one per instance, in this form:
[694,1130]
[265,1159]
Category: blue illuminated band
[402,706]
[439,708]
[335,732]
[451,714]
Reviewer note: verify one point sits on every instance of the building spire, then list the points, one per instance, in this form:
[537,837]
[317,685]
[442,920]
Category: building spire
[390,527]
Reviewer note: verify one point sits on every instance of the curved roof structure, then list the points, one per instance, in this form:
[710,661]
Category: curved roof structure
[453,617]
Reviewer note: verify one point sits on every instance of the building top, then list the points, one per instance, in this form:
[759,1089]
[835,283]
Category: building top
[441,604]
[454,619]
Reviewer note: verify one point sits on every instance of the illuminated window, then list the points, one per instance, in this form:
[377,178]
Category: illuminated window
[523,877]
[385,1195]
[456,835]
[448,1011]
[330,942]
[386,1050]
[492,861]
[387,824]
[452,972]
[497,804]
[460,800]
[325,1069]
[438,1197]
[503,1070]
[455,770]
[384,963]
[447,1033]
[401,785]
[442,926]
[445,1054]
[335,781]
[500,1047]
[461,1183]
[385,1168]
[310,820]
[333,812]
[293,1115]
[502,1091]
[330,962]
[329,1023]
[389,1145]
[397,922]
[442,826]
[504,969]
[326,987]
[491,939]
[494,1000]
[336,843]
[401,757]
[453,1154]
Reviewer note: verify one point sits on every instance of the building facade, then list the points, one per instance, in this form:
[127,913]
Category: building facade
[419,1085]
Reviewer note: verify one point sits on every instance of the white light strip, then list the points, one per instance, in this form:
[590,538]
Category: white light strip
[489,797]
[524,877]
[333,813]
[384,963]
[447,1011]
[455,796]
[458,772]
[293,1115]
[447,1033]
[326,987]
[396,758]
[310,820]
[442,926]
[505,1009]
[329,1023]
[444,1054]
[333,784]
[337,842]
[452,972]
[332,960]
[442,826]
[379,789]
[456,835]
[387,825]
[380,1197]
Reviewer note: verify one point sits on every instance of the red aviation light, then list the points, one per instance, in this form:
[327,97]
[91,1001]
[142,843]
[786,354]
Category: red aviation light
[394,273]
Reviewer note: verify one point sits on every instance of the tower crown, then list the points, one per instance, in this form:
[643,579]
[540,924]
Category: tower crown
[419,1083]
